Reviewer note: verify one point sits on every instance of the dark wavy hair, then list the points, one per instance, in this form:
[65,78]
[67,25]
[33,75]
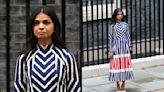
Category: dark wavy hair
[116,13]
[31,38]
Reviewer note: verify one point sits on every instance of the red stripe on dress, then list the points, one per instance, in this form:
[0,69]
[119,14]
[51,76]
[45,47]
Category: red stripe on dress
[120,63]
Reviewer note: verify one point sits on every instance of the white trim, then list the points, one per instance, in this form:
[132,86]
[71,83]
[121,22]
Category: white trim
[121,70]
[122,55]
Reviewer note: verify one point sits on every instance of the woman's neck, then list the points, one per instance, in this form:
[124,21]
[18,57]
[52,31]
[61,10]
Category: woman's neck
[118,21]
[44,42]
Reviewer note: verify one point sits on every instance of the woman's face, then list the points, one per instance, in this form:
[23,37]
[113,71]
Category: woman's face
[43,27]
[119,16]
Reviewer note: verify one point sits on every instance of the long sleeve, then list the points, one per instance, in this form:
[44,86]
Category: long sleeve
[110,38]
[73,83]
[20,79]
[128,36]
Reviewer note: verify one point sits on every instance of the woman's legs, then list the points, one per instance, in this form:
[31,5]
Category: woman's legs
[123,85]
[118,86]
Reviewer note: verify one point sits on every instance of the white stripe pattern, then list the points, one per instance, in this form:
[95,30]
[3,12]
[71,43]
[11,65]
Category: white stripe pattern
[119,45]
[121,70]
[47,71]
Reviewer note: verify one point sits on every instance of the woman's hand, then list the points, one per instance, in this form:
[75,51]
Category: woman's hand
[111,55]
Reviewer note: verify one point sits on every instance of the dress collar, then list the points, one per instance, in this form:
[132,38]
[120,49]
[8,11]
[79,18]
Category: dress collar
[119,22]
[44,47]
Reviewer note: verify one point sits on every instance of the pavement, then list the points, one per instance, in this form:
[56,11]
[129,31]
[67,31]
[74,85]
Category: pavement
[148,77]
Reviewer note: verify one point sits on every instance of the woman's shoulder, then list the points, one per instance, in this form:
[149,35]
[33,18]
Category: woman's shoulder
[63,52]
[66,52]
[111,24]
[20,58]
[124,23]
[68,55]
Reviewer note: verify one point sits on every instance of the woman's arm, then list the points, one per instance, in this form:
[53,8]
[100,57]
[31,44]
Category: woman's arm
[128,37]
[110,37]
[73,83]
[20,76]
[110,41]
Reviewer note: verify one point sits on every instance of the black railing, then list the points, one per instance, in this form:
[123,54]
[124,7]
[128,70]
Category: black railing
[145,19]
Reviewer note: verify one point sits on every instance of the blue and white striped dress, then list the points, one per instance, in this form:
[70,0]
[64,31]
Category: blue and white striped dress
[119,42]
[47,69]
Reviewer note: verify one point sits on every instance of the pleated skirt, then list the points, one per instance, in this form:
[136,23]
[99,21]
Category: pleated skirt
[121,68]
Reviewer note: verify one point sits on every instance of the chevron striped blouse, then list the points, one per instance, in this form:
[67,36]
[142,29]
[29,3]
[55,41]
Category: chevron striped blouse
[47,69]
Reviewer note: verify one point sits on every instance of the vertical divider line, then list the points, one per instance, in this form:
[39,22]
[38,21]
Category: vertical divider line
[81,42]
[8,45]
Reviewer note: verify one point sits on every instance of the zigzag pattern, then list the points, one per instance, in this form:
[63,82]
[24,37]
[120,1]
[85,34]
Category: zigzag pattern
[47,70]
[119,38]
[120,29]
[44,72]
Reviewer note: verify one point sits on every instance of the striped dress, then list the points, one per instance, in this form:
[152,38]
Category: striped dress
[119,44]
[47,69]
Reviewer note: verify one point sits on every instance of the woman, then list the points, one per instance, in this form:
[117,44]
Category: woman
[120,45]
[44,65]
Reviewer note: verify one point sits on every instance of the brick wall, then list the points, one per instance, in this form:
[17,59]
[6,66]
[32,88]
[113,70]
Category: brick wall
[3,47]
[73,26]
[18,31]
